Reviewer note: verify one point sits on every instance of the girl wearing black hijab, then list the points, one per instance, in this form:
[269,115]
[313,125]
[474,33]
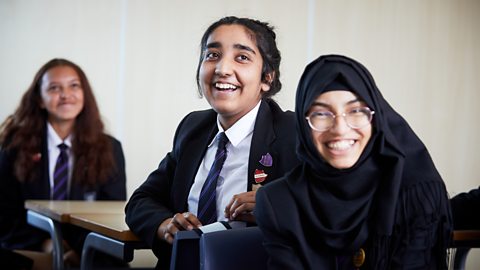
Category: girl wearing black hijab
[367,194]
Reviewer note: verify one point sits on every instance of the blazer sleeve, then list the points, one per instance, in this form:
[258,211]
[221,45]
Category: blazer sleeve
[465,209]
[115,188]
[423,228]
[15,233]
[149,204]
[282,256]
[11,204]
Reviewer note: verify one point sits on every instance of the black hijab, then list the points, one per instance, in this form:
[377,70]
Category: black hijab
[346,209]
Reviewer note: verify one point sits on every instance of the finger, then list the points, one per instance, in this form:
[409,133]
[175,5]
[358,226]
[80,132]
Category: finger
[169,234]
[243,209]
[187,221]
[237,201]
[168,237]
[163,228]
[172,228]
[228,207]
[181,222]
[192,219]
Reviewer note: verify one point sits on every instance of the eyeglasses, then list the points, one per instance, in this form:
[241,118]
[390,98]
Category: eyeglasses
[356,118]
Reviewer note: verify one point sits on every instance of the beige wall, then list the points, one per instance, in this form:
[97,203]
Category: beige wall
[141,58]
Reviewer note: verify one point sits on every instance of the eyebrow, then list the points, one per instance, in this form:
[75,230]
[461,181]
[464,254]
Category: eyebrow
[244,47]
[214,45]
[69,81]
[328,105]
[236,46]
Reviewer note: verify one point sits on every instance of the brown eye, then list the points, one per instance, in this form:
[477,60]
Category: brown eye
[243,58]
[211,55]
[53,88]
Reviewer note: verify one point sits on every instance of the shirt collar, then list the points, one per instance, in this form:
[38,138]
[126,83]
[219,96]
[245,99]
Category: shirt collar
[241,129]
[54,140]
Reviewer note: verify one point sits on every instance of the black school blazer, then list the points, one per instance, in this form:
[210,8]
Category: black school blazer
[165,192]
[15,233]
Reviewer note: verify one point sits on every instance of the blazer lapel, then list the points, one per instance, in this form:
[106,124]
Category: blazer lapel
[190,161]
[260,150]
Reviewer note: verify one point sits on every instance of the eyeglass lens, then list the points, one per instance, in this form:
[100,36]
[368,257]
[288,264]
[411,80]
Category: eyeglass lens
[355,119]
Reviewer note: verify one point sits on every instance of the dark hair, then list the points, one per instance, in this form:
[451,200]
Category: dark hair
[23,131]
[264,36]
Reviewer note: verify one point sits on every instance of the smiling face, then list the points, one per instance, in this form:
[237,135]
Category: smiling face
[230,74]
[340,146]
[61,95]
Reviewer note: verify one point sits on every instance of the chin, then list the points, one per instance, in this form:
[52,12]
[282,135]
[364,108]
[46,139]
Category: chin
[220,110]
[341,165]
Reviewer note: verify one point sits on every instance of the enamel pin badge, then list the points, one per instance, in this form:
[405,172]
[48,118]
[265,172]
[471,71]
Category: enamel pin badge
[266,160]
[259,177]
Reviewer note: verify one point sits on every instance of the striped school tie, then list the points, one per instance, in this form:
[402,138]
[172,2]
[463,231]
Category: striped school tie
[207,205]
[60,174]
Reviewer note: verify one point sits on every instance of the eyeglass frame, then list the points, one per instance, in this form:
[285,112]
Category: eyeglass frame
[344,115]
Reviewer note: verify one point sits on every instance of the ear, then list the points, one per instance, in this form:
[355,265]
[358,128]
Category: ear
[267,82]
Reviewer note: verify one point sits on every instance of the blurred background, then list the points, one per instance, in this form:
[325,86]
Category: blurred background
[141,58]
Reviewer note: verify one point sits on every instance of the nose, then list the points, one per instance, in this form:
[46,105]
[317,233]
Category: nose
[224,67]
[340,125]
[65,92]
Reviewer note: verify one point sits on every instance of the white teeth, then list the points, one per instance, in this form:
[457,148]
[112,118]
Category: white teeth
[225,86]
[341,145]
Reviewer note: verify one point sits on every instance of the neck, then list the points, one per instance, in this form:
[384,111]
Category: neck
[62,129]
[226,123]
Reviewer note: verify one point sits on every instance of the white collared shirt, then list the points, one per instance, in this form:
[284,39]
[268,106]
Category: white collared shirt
[53,140]
[233,178]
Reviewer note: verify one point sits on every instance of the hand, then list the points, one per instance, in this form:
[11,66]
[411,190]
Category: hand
[179,222]
[240,207]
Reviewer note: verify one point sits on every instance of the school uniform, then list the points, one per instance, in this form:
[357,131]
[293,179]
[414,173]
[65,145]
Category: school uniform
[15,232]
[167,189]
[388,210]
[465,208]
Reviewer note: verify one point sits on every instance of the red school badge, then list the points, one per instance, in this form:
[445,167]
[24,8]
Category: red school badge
[260,176]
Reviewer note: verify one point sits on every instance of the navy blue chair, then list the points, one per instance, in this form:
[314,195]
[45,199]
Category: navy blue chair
[185,251]
[233,249]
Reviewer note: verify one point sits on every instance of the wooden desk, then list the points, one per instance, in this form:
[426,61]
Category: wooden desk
[110,234]
[463,241]
[105,219]
[466,238]
[61,210]
[111,225]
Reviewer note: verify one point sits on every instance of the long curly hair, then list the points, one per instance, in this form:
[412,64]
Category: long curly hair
[22,132]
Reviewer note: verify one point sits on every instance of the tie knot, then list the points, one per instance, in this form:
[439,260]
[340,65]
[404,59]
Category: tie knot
[62,147]
[222,140]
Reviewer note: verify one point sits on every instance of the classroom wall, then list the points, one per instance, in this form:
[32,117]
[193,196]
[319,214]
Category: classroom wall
[141,58]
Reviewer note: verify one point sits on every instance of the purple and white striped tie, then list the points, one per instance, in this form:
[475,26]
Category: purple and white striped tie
[60,174]
[207,205]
